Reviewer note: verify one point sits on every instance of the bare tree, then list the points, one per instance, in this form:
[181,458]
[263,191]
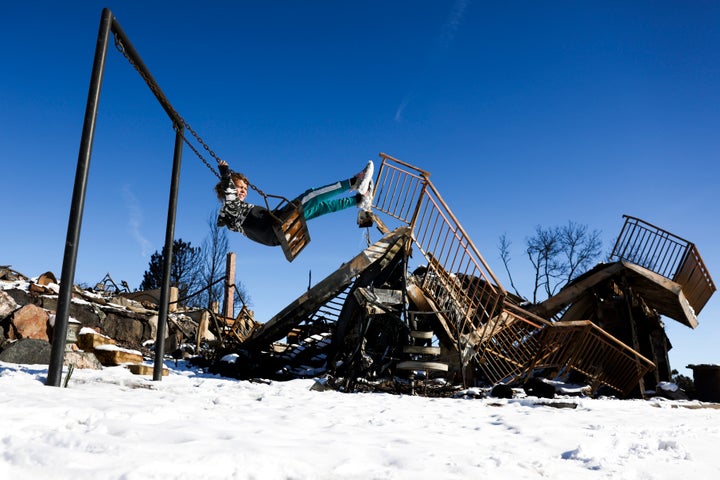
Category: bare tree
[557,254]
[579,247]
[215,250]
[504,248]
[542,250]
[215,247]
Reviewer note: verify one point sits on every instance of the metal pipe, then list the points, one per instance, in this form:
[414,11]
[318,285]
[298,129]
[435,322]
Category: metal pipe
[169,237]
[67,278]
[145,73]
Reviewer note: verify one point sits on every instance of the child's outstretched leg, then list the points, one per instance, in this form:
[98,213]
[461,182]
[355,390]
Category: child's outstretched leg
[318,202]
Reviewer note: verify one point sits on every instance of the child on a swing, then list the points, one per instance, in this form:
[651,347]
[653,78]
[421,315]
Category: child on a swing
[256,222]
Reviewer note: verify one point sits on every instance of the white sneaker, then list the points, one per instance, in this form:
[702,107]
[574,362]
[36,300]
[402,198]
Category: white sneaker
[367,197]
[362,180]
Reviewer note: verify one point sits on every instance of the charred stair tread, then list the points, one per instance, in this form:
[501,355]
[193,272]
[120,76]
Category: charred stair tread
[418,365]
[421,350]
[422,335]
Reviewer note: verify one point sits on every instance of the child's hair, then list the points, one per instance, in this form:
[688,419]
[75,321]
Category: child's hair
[234,176]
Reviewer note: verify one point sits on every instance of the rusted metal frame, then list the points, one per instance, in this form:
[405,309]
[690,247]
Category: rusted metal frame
[428,186]
[618,370]
[528,317]
[626,362]
[501,351]
[400,206]
[632,249]
[426,226]
[477,255]
[611,340]
[560,347]
[414,187]
[588,357]
[492,358]
[383,194]
[446,216]
[671,259]
[643,238]
[675,252]
[440,242]
[547,358]
[595,364]
[648,224]
[494,326]
[387,198]
[443,289]
[422,174]
[647,235]
[621,241]
[474,289]
[548,352]
[658,243]
[425,241]
[566,349]
[498,368]
[513,342]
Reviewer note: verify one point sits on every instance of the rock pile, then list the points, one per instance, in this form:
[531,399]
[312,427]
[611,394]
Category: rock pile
[104,328]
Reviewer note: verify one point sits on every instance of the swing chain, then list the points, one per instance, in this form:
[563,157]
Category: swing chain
[166,103]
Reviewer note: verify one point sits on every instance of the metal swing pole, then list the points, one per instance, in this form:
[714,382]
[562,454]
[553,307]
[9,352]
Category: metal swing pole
[169,237]
[67,277]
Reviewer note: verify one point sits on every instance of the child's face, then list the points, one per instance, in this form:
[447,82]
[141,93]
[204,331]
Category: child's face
[242,189]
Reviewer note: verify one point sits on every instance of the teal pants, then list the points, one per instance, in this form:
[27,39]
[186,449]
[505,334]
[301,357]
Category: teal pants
[320,201]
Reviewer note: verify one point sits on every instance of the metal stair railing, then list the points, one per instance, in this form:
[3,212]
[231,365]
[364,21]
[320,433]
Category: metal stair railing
[503,339]
[668,255]
[458,278]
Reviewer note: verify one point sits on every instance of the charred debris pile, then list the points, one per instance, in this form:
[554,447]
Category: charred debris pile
[418,311]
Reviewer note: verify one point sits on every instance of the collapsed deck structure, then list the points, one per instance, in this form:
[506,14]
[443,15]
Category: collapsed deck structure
[447,315]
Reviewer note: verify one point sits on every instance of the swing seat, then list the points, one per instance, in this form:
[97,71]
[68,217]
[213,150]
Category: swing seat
[291,230]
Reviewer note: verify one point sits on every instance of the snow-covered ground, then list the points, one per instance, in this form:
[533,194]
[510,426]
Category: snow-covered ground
[111,424]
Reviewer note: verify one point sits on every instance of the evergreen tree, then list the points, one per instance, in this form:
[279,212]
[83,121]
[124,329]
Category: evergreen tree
[185,269]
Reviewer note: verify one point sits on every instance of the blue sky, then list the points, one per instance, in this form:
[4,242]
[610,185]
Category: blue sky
[526,113]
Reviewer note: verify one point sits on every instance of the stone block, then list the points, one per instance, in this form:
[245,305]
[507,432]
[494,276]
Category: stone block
[30,321]
[30,351]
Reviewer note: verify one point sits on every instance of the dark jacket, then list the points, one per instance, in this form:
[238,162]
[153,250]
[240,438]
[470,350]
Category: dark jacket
[253,221]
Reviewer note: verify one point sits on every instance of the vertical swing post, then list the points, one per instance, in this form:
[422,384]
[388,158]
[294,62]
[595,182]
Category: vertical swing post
[67,278]
[167,264]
